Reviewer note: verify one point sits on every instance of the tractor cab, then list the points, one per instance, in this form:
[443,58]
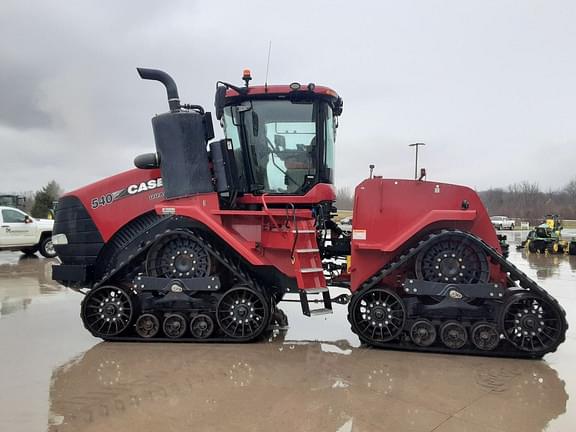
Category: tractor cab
[282,137]
[279,142]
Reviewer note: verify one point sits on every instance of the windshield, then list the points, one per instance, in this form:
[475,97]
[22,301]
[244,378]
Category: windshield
[281,145]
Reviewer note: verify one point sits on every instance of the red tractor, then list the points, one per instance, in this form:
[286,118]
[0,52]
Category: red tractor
[203,239]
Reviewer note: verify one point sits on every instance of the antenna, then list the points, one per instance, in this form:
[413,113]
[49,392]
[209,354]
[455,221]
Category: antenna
[268,66]
[416,163]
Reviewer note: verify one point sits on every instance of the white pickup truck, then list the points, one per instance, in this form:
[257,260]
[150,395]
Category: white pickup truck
[20,232]
[502,222]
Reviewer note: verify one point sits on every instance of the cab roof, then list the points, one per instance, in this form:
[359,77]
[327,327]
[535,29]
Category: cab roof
[261,90]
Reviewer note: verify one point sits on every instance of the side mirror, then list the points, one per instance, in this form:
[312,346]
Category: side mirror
[219,101]
[28,220]
[338,106]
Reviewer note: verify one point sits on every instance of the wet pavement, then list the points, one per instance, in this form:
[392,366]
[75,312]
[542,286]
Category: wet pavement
[312,377]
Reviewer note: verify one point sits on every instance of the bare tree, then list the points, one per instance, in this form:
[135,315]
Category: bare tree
[344,198]
[570,189]
[526,201]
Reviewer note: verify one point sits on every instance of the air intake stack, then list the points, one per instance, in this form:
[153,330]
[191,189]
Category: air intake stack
[181,137]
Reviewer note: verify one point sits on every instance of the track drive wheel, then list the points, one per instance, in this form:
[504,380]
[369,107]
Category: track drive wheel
[453,259]
[178,255]
[243,313]
[377,315]
[532,323]
[107,311]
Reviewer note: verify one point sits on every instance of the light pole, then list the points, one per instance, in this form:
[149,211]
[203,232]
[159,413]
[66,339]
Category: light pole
[416,163]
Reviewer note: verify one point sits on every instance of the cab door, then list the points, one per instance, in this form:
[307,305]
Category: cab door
[17,229]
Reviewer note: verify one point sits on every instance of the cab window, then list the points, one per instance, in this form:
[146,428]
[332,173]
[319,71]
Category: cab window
[13,216]
[281,143]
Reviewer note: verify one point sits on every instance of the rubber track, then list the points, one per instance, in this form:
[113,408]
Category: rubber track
[514,275]
[222,258]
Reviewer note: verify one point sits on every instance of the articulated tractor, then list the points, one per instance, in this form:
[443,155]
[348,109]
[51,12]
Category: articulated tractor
[203,239]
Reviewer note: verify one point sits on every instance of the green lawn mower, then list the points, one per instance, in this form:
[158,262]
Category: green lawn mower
[547,238]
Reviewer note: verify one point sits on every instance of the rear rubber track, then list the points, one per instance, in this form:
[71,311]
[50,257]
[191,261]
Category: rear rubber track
[520,281]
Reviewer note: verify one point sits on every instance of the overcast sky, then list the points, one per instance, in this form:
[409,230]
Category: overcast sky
[489,86]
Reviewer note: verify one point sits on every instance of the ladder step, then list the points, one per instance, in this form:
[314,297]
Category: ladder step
[307,250]
[323,311]
[304,302]
[304,231]
[312,270]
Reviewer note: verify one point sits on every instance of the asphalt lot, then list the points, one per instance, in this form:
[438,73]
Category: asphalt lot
[312,377]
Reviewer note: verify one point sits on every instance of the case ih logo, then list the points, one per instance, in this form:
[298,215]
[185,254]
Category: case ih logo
[133,189]
[144,186]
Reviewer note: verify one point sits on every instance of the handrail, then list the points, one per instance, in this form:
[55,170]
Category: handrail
[267,211]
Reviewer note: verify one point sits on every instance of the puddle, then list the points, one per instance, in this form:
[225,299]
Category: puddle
[312,377]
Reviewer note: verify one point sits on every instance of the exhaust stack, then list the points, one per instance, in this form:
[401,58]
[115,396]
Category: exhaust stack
[169,83]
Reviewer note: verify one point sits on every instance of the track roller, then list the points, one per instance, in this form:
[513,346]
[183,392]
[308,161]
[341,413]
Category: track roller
[147,325]
[485,336]
[201,326]
[423,333]
[174,325]
[453,335]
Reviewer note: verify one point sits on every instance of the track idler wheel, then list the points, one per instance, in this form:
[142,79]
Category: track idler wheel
[423,333]
[243,313]
[377,315]
[201,326]
[107,311]
[174,326]
[453,335]
[532,323]
[147,325]
[485,336]
[453,259]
